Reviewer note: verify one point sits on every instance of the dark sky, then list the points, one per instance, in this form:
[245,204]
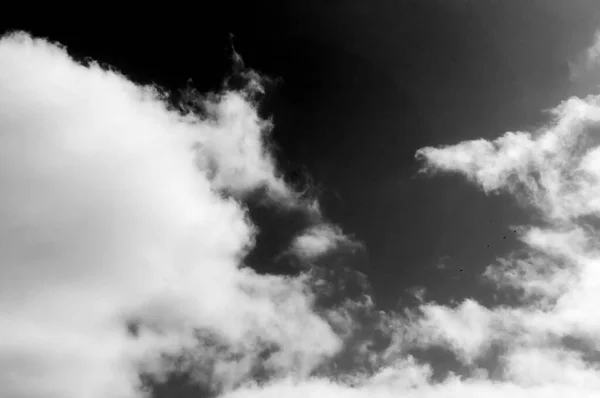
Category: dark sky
[358,87]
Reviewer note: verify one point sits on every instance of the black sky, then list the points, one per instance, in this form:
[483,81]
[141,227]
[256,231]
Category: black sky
[358,87]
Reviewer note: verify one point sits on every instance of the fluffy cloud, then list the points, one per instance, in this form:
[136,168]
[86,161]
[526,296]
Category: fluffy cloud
[119,211]
[233,149]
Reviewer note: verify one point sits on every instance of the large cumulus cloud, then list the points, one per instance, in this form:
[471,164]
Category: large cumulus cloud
[122,237]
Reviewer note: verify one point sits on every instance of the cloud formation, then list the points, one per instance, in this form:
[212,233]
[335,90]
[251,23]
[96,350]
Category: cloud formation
[543,344]
[555,172]
[122,238]
[123,235]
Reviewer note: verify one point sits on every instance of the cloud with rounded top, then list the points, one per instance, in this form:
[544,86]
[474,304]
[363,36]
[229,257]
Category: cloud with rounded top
[118,246]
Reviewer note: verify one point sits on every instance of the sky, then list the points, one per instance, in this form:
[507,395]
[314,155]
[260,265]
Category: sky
[303,199]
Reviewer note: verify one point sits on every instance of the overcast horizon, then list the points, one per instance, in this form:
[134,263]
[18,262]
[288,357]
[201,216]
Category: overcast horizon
[304,199]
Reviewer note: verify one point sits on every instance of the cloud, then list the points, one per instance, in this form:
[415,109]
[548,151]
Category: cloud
[233,148]
[593,52]
[123,235]
[453,387]
[543,344]
[585,70]
[320,239]
[467,329]
[554,171]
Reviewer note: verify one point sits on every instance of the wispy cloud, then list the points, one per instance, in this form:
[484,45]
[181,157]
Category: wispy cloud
[546,343]
[585,70]
[320,239]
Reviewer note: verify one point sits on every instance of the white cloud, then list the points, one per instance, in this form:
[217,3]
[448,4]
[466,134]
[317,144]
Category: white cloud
[112,211]
[535,366]
[536,165]
[319,239]
[518,349]
[555,172]
[109,214]
[234,146]
[467,329]
[452,388]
